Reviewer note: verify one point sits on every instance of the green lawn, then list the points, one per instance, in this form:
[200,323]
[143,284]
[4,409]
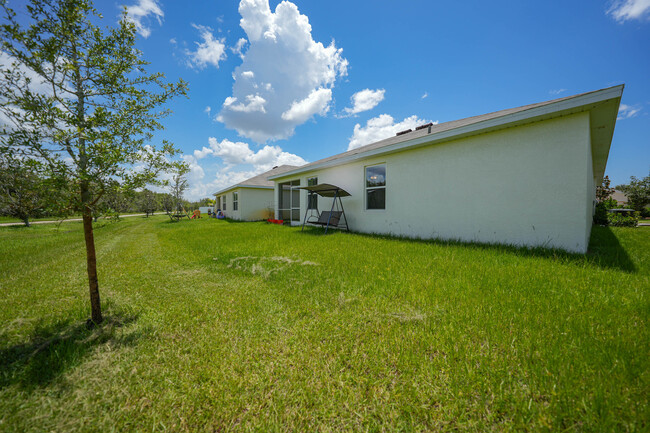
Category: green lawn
[8,219]
[218,326]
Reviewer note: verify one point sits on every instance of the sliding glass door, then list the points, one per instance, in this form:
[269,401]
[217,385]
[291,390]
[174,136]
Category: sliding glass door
[289,201]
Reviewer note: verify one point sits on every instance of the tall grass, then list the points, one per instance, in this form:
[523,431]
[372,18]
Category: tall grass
[218,326]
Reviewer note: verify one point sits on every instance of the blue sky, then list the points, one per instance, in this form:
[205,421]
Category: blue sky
[281,83]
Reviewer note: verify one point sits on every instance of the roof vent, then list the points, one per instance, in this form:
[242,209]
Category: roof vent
[274,167]
[404,132]
[424,126]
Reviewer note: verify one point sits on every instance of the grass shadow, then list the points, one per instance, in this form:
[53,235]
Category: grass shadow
[171,220]
[56,348]
[17,227]
[605,251]
[232,221]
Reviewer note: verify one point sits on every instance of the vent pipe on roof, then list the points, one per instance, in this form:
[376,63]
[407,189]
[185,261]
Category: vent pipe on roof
[274,167]
[404,132]
[428,125]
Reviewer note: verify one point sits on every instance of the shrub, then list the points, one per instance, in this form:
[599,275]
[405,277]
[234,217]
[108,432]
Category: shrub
[610,203]
[618,220]
[600,216]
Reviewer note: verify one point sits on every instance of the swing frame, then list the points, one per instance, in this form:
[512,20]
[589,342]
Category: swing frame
[330,191]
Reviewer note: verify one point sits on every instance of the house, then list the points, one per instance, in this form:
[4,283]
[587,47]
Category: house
[252,199]
[524,176]
[620,197]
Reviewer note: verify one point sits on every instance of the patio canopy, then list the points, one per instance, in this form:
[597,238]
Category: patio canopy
[326,190]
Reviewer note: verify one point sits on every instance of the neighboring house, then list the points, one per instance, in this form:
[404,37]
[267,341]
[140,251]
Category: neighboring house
[524,176]
[620,197]
[252,199]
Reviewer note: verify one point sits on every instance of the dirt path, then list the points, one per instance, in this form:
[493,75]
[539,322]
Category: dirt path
[70,220]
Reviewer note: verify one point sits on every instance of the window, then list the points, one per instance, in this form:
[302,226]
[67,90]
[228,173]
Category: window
[224,202]
[235,201]
[376,187]
[312,198]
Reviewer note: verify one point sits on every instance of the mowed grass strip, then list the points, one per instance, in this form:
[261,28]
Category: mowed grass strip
[223,326]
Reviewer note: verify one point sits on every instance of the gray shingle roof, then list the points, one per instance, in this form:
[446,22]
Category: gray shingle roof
[261,180]
[444,127]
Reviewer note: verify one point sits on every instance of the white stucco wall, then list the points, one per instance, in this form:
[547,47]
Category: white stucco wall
[527,185]
[253,204]
[590,200]
[229,212]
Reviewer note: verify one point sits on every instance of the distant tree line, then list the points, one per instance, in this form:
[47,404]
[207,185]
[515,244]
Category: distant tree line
[25,194]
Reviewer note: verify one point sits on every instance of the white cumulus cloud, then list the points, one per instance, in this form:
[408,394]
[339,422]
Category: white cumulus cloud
[239,47]
[624,10]
[365,100]
[140,12]
[316,103]
[253,103]
[626,111]
[231,162]
[290,71]
[236,153]
[194,178]
[381,127]
[209,52]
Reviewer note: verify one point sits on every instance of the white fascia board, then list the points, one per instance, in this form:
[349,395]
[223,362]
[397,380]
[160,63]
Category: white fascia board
[225,190]
[563,107]
[230,188]
[256,187]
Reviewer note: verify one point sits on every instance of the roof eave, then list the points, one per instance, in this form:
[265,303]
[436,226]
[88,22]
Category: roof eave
[230,188]
[602,121]
[586,102]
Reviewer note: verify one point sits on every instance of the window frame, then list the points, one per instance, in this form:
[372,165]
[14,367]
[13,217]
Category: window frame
[235,201]
[223,201]
[367,188]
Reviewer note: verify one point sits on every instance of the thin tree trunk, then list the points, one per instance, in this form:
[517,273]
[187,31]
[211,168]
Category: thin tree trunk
[26,221]
[86,195]
[91,260]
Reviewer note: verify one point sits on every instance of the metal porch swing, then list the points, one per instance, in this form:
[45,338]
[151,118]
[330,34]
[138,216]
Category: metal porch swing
[332,218]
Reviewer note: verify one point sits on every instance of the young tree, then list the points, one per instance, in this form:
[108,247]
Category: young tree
[22,192]
[178,186]
[604,192]
[148,203]
[168,203]
[117,202]
[637,192]
[77,98]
